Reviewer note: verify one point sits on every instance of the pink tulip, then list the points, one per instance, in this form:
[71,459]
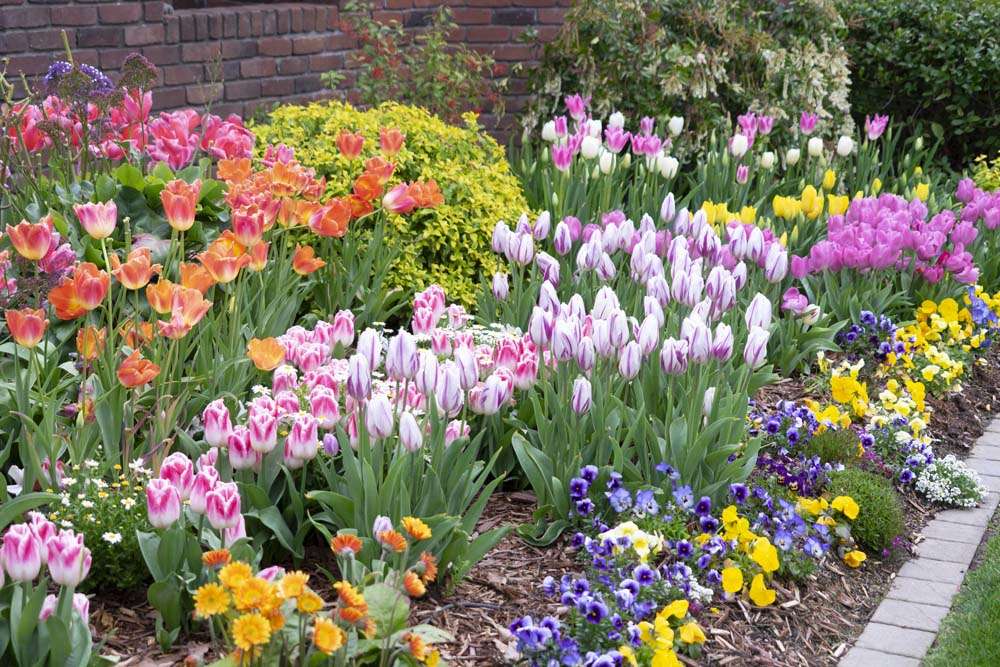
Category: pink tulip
[43,529]
[343,328]
[807,123]
[398,200]
[324,407]
[218,426]
[526,372]
[222,506]
[231,535]
[68,560]
[455,430]
[263,428]
[241,455]
[792,300]
[285,378]
[303,438]
[163,503]
[178,470]
[98,219]
[287,403]
[204,482]
[21,554]
[875,126]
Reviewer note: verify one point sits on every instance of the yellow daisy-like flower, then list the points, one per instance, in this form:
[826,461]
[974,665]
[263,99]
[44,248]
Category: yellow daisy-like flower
[327,635]
[416,528]
[691,633]
[309,602]
[210,600]
[235,574]
[255,593]
[251,630]
[293,584]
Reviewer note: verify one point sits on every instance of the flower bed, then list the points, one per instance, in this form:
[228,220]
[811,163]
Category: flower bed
[697,413]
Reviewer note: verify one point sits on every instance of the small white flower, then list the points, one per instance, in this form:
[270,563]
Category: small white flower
[87,504]
[66,524]
[91,463]
[112,538]
[128,503]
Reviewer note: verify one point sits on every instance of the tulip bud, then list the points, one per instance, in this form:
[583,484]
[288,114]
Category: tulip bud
[370,346]
[590,147]
[708,401]
[426,378]
[616,119]
[811,314]
[565,339]
[563,240]
[793,156]
[776,263]
[21,554]
[241,455]
[448,390]
[520,248]
[606,162]
[755,351]
[401,357]
[722,342]
[581,396]
[285,378]
[814,147]
[204,482]
[675,125]
[758,312]
[549,131]
[543,225]
[540,326]
[630,360]
[674,356]
[231,535]
[263,428]
[767,159]
[343,328]
[163,504]
[586,354]
[526,371]
[359,377]
[738,145]
[667,165]
[222,506]
[378,417]
[178,470]
[409,432]
[215,418]
[302,442]
[68,560]
[649,335]
[468,370]
[845,146]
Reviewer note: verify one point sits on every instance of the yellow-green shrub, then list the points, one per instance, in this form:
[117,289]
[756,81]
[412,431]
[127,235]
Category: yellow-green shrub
[987,174]
[448,245]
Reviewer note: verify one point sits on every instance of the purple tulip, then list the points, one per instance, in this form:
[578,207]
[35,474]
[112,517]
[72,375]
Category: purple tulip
[875,126]
[674,356]
[807,123]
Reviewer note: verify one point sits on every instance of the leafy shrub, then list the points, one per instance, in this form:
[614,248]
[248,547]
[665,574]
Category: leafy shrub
[987,174]
[422,69]
[450,244]
[835,446]
[706,60]
[929,61]
[880,520]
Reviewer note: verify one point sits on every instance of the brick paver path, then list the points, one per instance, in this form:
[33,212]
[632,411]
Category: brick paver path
[905,624]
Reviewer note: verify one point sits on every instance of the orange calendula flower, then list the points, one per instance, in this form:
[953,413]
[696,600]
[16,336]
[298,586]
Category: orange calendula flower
[392,541]
[368,186]
[31,240]
[137,270]
[137,371]
[309,602]
[27,326]
[179,201]
[350,144]
[304,261]
[265,353]
[160,295]
[235,574]
[349,596]
[429,564]
[216,558]
[416,528]
[223,268]
[327,636]
[235,170]
[413,585]
[276,619]
[342,545]
[293,584]
[90,342]
[195,276]
[332,219]
[79,293]
[352,615]
[391,140]
[416,645]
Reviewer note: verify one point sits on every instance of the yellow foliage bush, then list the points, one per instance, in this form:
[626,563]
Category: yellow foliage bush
[448,245]
[987,173]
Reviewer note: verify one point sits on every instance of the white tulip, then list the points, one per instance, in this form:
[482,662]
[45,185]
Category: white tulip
[606,161]
[845,145]
[590,147]
[594,128]
[815,147]
[792,157]
[767,159]
[738,145]
[549,131]
[667,165]
[617,119]
[675,125]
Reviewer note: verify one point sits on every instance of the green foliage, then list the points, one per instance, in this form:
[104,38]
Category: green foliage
[881,517]
[987,174]
[450,244]
[835,446]
[420,68]
[932,62]
[706,60]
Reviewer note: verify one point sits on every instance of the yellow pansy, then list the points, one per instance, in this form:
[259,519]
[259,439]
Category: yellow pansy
[677,608]
[765,555]
[732,579]
[760,594]
[847,506]
[628,655]
[855,558]
[691,633]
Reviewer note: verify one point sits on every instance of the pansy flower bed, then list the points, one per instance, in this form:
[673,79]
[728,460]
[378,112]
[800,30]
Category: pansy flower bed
[713,386]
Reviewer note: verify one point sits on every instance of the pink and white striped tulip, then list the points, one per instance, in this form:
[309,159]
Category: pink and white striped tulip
[68,559]
[222,506]
[21,554]
[163,503]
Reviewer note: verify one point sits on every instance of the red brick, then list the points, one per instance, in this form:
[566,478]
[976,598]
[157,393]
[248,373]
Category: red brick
[74,15]
[308,19]
[29,64]
[242,90]
[163,54]
[487,33]
[264,23]
[199,51]
[308,83]
[24,17]
[313,44]
[113,58]
[339,42]
[215,22]
[257,68]
[513,52]
[243,25]
[488,3]
[228,108]
[284,20]
[513,17]
[169,98]
[324,62]
[97,37]
[45,40]
[188,30]
[296,17]
[121,12]
[13,41]
[547,33]
[398,4]
[204,93]
[154,10]
[229,24]
[174,75]
[472,15]
[551,15]
[277,87]
[275,46]
[293,65]
[173,26]
[201,26]
[244,48]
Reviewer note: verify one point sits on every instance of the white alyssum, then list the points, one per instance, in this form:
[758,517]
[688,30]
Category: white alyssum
[950,482]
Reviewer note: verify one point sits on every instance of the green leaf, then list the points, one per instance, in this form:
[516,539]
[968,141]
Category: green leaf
[165,596]
[13,509]
[272,519]
[388,607]
[130,176]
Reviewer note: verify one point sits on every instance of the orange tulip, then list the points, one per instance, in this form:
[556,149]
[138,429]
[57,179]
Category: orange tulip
[227,245]
[266,354]
[137,371]
[81,292]
[380,167]
[304,261]
[137,271]
[427,194]
[193,275]
[332,219]
[136,337]
[295,212]
[248,225]
[32,241]
[179,201]
[368,186]
[359,207]
[290,179]
[187,309]
[90,342]
[223,268]
[258,256]
[391,140]
[350,144]
[160,295]
[235,170]
[27,326]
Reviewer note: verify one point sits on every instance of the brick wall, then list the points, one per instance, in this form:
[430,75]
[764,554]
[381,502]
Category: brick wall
[244,56]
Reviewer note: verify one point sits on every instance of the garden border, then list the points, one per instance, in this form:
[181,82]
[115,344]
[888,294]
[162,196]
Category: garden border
[906,623]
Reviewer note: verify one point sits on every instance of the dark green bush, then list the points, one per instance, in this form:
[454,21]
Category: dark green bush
[929,63]
[840,446]
[706,60]
[880,519]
